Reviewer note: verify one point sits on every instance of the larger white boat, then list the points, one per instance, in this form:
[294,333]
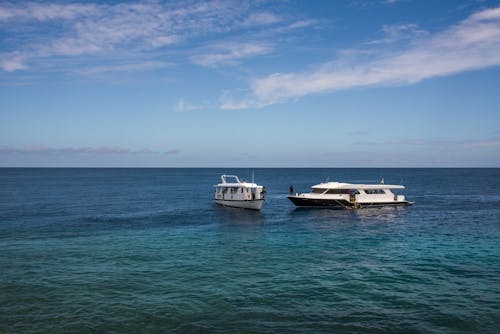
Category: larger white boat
[239,194]
[349,196]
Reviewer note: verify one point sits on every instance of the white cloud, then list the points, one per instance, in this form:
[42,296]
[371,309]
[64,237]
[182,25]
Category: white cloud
[472,44]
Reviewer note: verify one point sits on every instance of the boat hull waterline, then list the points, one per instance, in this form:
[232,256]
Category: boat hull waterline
[244,204]
[339,203]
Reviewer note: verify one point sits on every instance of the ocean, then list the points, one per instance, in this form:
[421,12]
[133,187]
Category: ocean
[146,251]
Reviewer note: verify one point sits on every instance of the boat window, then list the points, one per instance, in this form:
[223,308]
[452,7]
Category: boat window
[374,191]
[337,191]
[231,179]
[318,190]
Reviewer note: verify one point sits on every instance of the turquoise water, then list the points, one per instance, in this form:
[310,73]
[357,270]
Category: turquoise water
[145,251]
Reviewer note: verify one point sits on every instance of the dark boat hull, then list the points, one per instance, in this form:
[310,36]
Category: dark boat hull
[301,201]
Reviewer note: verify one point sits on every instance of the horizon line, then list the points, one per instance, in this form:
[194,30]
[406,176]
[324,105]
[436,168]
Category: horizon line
[262,167]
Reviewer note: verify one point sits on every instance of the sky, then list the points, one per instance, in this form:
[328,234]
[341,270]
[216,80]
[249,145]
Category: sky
[374,83]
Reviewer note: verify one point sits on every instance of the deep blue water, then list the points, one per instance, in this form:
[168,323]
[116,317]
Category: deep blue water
[146,251]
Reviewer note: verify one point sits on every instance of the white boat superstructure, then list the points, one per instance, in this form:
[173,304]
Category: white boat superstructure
[239,194]
[349,195]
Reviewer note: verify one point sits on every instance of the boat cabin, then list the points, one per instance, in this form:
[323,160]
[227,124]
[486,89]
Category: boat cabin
[372,193]
[233,189]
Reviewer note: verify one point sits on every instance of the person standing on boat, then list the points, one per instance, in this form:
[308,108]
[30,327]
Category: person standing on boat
[291,189]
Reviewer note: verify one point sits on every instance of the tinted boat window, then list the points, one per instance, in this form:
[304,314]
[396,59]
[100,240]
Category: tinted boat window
[374,191]
[318,191]
[337,191]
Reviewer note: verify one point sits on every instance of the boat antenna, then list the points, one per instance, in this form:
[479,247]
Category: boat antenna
[253,178]
[328,178]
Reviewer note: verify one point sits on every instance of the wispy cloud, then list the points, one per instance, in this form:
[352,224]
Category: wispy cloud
[184,106]
[261,18]
[12,61]
[55,31]
[172,152]
[237,99]
[45,150]
[230,53]
[471,44]
[399,32]
[45,11]
[434,144]
[420,152]
[302,24]
[483,143]
[125,67]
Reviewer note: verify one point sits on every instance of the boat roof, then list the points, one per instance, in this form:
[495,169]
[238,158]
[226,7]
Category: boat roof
[341,185]
[237,182]
[241,184]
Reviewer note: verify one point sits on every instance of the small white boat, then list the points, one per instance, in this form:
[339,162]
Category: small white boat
[239,194]
[349,196]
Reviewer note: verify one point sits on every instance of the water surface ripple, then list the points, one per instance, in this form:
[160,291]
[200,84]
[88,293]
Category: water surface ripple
[145,250]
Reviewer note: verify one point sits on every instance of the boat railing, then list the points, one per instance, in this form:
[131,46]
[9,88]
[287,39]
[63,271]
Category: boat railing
[224,178]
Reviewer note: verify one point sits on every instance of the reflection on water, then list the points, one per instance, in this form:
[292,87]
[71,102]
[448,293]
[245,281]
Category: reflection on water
[237,216]
[376,214]
[385,212]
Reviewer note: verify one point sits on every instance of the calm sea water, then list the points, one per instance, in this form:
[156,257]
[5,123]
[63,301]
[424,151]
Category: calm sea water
[145,251]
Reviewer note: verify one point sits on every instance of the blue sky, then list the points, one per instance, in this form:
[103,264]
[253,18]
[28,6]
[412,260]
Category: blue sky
[356,83]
